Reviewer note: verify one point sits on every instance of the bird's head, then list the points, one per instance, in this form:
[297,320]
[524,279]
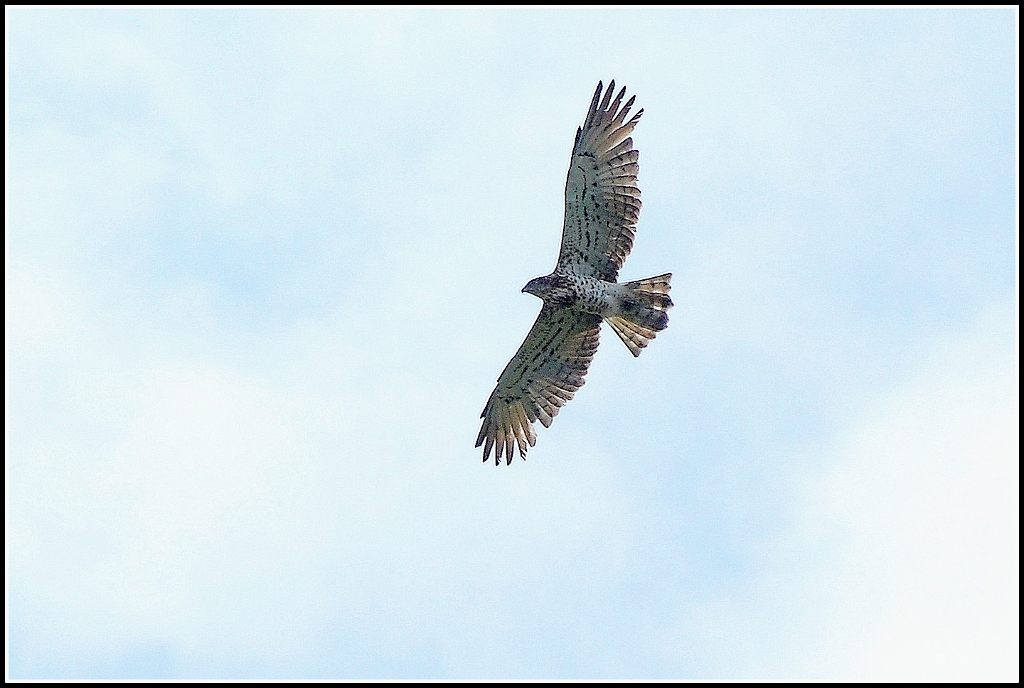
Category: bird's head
[538,287]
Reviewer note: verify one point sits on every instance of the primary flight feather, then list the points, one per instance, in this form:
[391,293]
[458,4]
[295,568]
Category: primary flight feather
[602,206]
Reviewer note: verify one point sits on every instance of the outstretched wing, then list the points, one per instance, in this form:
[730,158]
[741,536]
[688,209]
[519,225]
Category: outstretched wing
[602,199]
[542,376]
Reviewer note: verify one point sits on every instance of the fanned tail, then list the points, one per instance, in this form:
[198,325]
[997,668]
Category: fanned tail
[643,311]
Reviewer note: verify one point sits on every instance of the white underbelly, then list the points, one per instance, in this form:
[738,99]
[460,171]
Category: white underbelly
[596,296]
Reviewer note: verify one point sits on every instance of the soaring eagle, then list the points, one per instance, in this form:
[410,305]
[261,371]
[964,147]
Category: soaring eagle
[602,205]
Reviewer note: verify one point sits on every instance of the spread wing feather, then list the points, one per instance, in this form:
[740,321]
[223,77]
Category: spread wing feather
[602,199]
[543,375]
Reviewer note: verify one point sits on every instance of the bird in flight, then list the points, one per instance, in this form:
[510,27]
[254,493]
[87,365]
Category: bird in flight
[602,205]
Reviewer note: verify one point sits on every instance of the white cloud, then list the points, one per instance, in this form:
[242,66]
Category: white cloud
[900,557]
[236,515]
[925,501]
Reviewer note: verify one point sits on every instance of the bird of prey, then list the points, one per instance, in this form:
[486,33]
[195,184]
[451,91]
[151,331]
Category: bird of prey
[602,205]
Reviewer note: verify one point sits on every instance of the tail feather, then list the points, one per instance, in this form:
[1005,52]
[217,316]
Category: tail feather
[643,311]
[662,284]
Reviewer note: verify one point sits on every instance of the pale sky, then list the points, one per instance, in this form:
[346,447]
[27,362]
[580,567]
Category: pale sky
[263,269]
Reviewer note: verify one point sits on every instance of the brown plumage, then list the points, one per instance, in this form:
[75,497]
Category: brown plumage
[602,206]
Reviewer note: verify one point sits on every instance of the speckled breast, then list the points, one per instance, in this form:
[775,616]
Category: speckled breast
[592,295]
